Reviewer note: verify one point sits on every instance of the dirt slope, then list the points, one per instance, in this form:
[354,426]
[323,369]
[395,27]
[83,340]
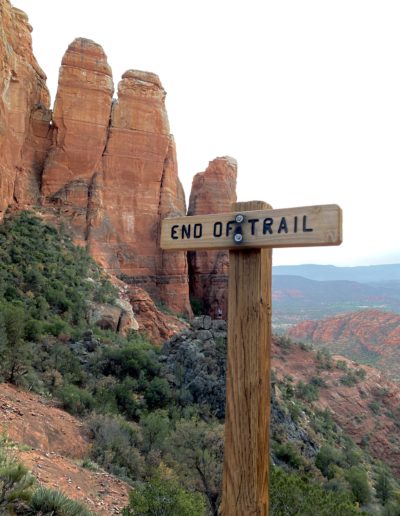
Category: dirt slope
[58,444]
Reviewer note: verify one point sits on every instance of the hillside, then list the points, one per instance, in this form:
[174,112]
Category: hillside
[296,298]
[328,416]
[54,445]
[367,336]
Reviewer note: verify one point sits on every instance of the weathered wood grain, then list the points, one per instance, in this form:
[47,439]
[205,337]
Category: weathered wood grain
[246,460]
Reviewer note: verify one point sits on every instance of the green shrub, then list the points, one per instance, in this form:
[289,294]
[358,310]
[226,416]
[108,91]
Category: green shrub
[375,406]
[350,379]
[288,453]
[292,495]
[326,458]
[116,446]
[16,483]
[158,393]
[318,381]
[51,502]
[357,478]
[164,497]
[324,359]
[75,400]
[197,306]
[308,392]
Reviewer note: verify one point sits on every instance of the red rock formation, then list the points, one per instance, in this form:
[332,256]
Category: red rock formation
[111,172]
[81,119]
[140,186]
[24,111]
[213,191]
[158,325]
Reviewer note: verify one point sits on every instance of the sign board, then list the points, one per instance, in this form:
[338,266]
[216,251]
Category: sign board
[292,227]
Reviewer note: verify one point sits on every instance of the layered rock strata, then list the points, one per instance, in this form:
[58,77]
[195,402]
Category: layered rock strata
[213,191]
[25,129]
[111,172]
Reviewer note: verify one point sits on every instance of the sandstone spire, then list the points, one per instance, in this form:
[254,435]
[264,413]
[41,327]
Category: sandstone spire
[213,191]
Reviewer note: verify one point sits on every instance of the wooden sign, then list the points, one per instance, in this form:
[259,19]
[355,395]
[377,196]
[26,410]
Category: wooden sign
[250,232]
[292,227]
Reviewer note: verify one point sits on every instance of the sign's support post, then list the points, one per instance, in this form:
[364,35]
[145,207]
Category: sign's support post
[250,233]
[246,458]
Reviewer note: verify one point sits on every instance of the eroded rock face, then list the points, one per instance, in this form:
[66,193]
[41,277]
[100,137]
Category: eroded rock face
[213,191]
[24,111]
[140,186]
[158,325]
[81,119]
[111,172]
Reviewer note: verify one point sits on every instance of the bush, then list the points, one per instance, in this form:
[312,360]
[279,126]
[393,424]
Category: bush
[350,379]
[47,501]
[326,458]
[357,478]
[292,495]
[115,446]
[158,393]
[75,400]
[16,483]
[197,306]
[375,406]
[164,497]
[288,453]
[324,359]
[308,392]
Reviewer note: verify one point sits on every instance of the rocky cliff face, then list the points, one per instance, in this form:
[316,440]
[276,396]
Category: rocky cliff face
[112,171]
[105,167]
[213,191]
[24,111]
[80,119]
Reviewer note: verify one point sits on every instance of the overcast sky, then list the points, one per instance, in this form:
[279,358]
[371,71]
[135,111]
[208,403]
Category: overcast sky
[304,94]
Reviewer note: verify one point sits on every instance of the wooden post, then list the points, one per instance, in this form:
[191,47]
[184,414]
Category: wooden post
[246,459]
[250,233]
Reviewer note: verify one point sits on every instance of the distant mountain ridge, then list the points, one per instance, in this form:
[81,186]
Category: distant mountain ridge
[296,298]
[361,274]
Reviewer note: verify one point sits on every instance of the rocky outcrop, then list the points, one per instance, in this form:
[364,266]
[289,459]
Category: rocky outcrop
[195,365]
[156,323]
[111,172]
[119,317]
[213,191]
[24,111]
